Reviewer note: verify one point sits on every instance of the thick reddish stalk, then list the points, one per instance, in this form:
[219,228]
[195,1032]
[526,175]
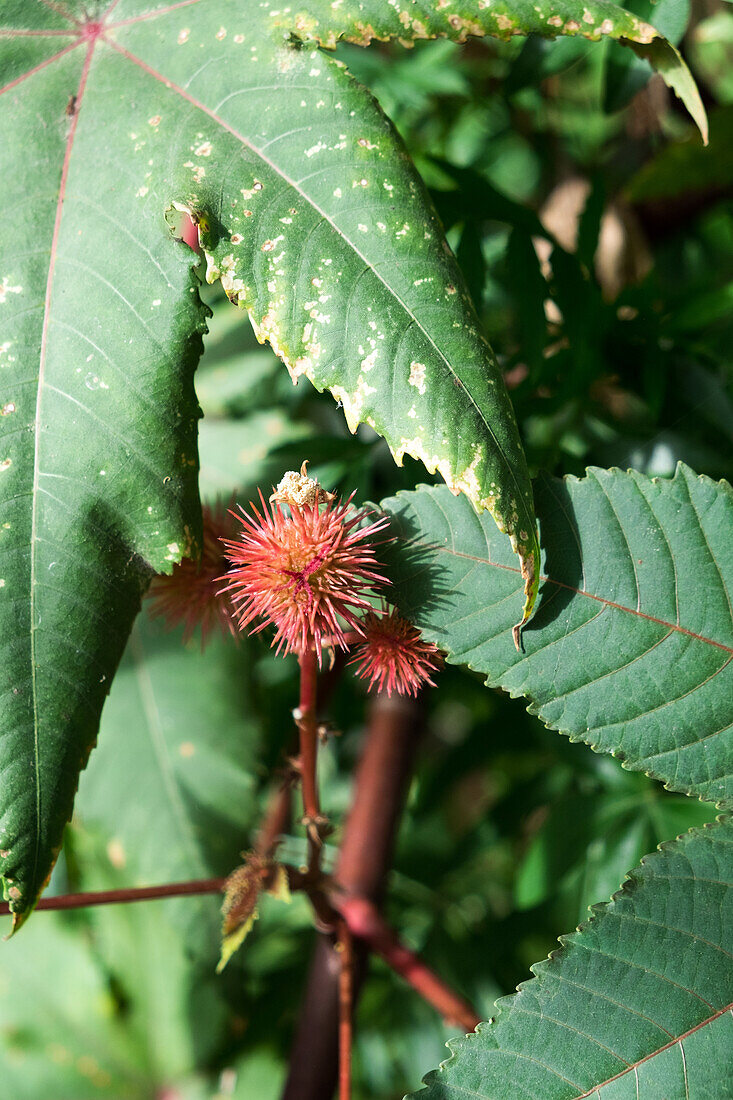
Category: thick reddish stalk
[382,777]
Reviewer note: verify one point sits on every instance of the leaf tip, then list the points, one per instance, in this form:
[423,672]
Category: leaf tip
[670,65]
[17,909]
[529,556]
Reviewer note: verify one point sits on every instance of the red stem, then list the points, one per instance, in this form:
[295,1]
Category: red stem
[308,731]
[365,921]
[346,1002]
[137,893]
[393,733]
[360,918]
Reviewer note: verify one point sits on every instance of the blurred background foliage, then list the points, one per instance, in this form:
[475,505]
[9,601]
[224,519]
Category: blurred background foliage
[596,235]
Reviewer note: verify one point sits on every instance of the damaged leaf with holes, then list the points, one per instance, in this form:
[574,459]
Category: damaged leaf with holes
[408,21]
[320,229]
[312,218]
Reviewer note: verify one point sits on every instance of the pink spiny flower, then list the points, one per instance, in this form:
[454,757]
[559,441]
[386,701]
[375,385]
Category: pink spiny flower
[306,573]
[393,656]
[190,595]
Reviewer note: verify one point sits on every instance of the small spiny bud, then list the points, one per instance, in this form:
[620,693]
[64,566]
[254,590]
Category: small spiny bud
[393,656]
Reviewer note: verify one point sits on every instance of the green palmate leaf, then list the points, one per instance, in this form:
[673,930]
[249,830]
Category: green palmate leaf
[637,1003]
[159,962]
[630,648]
[59,1035]
[178,732]
[314,220]
[106,1004]
[362,21]
[98,434]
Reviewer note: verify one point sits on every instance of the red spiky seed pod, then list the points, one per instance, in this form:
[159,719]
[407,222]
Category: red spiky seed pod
[307,573]
[393,656]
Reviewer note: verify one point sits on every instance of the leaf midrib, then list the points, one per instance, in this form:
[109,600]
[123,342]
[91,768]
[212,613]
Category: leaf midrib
[171,85]
[655,1053]
[544,579]
[37,444]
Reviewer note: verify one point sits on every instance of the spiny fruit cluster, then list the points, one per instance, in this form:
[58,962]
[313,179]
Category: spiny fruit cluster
[305,564]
